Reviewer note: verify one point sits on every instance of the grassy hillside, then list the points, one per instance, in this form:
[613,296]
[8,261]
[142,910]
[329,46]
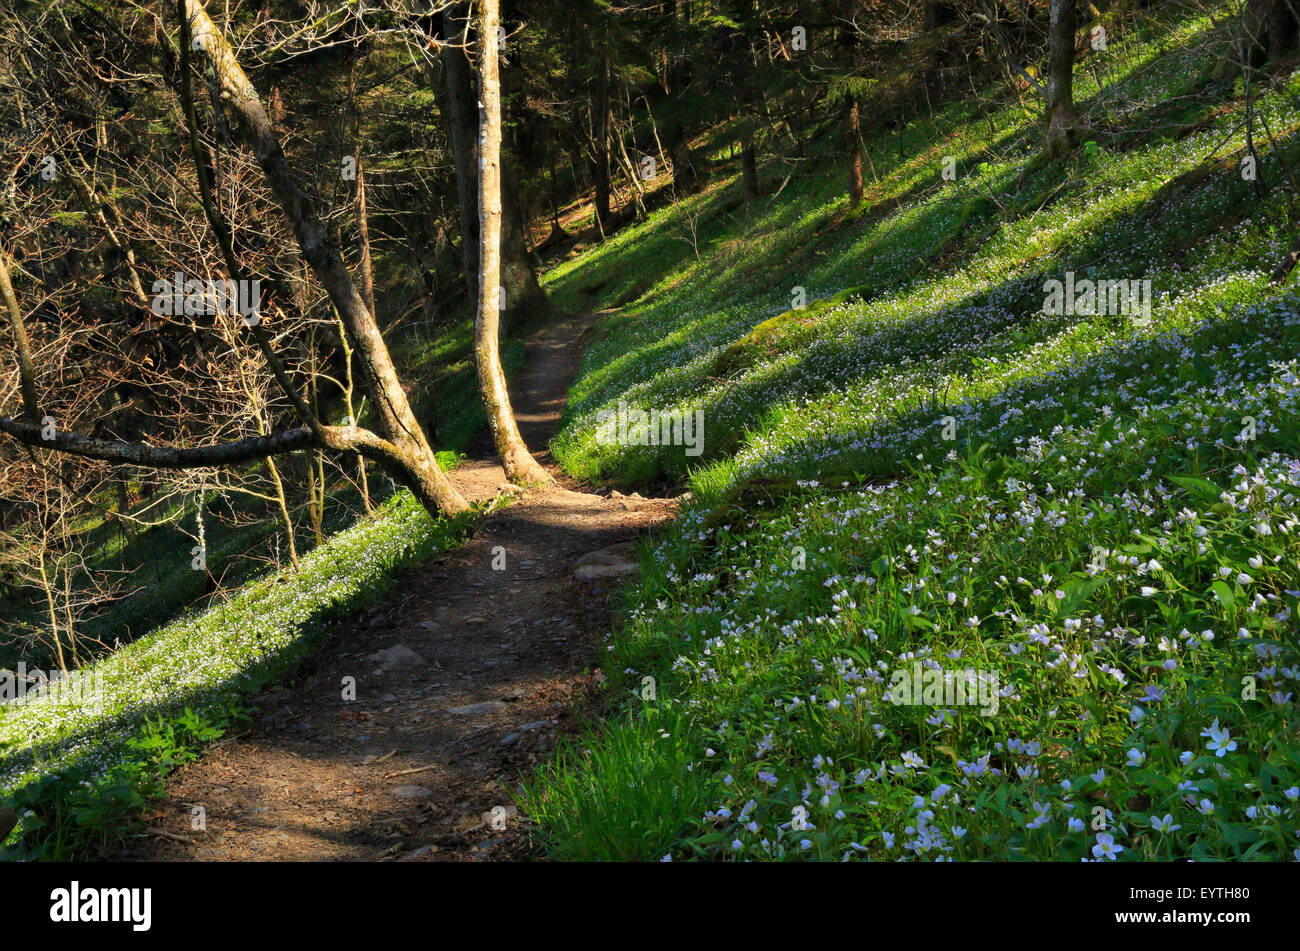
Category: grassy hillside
[922,470]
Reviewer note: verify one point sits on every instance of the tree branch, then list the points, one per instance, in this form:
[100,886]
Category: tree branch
[160,457]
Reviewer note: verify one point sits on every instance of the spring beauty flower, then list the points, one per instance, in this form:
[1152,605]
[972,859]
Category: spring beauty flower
[1221,742]
[1106,847]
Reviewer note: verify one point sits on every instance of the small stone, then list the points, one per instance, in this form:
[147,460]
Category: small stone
[412,792]
[397,657]
[477,709]
[612,562]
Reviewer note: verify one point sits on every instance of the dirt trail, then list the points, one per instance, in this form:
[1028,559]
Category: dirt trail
[496,667]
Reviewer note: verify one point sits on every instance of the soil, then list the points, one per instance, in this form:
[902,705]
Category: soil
[499,665]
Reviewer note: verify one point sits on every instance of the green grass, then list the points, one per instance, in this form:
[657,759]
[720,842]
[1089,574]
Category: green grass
[1098,538]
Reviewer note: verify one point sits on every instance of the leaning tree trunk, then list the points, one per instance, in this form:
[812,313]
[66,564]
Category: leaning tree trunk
[404,450]
[518,462]
[22,345]
[1061,120]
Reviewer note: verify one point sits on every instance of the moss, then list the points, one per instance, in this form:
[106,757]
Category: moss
[765,341]
[778,334]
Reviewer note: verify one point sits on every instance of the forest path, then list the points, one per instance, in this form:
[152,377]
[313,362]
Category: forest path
[440,733]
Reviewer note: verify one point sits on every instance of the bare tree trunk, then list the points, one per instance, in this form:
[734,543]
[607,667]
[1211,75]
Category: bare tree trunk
[22,346]
[367,269]
[98,207]
[524,297]
[852,129]
[1061,120]
[600,136]
[363,225]
[630,171]
[517,461]
[283,502]
[315,495]
[749,169]
[51,608]
[349,391]
[689,169]
[557,230]
[855,155]
[315,459]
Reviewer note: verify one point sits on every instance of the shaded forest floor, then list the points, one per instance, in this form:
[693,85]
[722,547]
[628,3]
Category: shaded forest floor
[465,677]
